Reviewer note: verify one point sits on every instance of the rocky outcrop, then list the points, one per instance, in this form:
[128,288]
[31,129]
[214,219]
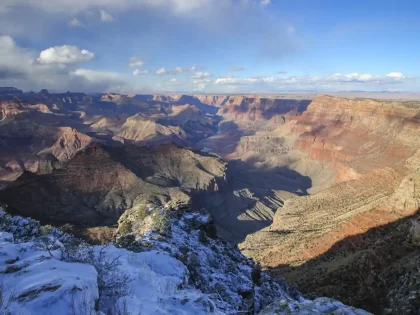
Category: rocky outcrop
[214,100]
[96,186]
[69,144]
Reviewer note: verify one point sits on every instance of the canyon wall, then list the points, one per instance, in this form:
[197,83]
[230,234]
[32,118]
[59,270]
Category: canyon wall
[373,148]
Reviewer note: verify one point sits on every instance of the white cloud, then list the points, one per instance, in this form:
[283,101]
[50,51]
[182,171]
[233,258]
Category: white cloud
[135,62]
[200,87]
[17,68]
[140,72]
[397,75]
[196,68]
[178,70]
[95,76]
[201,75]
[173,6]
[161,71]
[7,43]
[291,29]
[200,81]
[333,81]
[64,55]
[173,82]
[76,22]
[103,80]
[237,69]
[265,2]
[105,16]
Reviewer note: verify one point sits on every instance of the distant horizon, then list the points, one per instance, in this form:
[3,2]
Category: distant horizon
[210,46]
[385,95]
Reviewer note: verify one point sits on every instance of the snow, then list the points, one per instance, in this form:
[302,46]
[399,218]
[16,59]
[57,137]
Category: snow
[307,307]
[157,284]
[36,283]
[181,272]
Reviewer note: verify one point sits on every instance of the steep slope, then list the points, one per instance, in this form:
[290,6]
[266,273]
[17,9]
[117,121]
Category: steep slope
[100,183]
[373,148]
[260,108]
[180,271]
[358,136]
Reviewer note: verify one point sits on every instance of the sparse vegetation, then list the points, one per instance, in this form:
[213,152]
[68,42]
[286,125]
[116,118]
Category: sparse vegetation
[7,296]
[160,221]
[125,227]
[48,241]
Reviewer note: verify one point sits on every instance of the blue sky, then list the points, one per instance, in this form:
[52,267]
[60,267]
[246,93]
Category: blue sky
[212,46]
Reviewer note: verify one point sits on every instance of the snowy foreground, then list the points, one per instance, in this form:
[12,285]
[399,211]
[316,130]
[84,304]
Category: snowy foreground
[181,271]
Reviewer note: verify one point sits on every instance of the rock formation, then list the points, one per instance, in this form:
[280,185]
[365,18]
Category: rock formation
[373,149]
[99,183]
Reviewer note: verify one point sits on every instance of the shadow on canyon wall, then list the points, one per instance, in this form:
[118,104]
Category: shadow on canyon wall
[248,200]
[375,271]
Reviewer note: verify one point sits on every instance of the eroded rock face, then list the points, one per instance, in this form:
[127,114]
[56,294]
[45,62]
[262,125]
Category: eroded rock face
[357,136]
[259,108]
[334,241]
[96,186]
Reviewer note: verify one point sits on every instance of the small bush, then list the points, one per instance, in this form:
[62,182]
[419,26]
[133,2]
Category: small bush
[49,240]
[142,212]
[7,296]
[112,283]
[125,227]
[161,222]
[128,242]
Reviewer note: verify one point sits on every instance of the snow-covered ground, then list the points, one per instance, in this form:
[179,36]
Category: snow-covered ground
[182,271]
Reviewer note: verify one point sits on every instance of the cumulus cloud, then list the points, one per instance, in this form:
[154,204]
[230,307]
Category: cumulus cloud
[178,70]
[105,16]
[96,76]
[265,2]
[135,62]
[237,69]
[75,22]
[201,75]
[140,72]
[389,78]
[64,55]
[173,82]
[196,68]
[161,71]
[173,6]
[7,43]
[17,68]
[333,81]
[200,81]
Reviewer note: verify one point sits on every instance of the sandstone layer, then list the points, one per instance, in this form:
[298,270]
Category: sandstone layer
[317,240]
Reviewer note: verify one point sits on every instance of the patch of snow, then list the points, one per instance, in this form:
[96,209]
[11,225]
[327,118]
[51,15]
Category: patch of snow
[181,272]
[36,283]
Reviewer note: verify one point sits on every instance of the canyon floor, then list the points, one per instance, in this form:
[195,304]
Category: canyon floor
[321,190]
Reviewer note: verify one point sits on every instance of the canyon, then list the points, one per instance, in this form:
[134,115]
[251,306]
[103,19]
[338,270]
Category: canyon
[323,192]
